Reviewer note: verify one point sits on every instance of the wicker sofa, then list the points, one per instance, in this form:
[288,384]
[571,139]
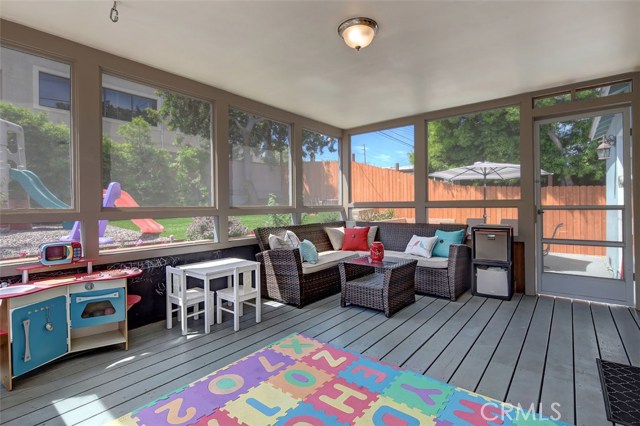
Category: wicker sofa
[286,278]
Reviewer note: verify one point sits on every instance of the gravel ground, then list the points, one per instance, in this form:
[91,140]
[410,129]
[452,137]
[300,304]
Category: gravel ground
[24,243]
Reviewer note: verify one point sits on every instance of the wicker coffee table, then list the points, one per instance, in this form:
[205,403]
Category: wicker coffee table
[387,286]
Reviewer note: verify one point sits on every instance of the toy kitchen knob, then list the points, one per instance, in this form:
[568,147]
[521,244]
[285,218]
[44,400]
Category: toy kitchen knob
[376,251]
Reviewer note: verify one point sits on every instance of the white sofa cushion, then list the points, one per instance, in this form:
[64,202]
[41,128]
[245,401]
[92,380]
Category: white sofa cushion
[432,262]
[327,259]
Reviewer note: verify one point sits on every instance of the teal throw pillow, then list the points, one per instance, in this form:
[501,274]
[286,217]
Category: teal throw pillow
[456,236]
[441,249]
[445,239]
[308,251]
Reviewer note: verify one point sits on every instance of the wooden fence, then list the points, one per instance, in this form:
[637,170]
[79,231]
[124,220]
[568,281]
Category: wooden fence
[371,183]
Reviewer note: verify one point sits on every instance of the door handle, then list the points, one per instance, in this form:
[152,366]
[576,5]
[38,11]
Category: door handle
[27,350]
[113,295]
[540,211]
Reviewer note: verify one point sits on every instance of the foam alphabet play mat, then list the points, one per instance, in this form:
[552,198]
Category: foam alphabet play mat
[302,381]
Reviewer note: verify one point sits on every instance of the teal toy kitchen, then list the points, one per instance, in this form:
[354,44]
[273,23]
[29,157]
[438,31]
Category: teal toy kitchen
[45,319]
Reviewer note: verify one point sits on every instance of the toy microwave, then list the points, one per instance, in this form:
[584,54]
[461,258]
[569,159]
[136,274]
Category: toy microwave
[59,253]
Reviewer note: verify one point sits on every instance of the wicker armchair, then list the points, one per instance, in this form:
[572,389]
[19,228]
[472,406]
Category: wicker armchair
[282,278]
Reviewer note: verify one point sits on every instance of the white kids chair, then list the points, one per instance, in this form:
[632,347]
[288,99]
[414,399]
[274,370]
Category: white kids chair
[238,294]
[178,294]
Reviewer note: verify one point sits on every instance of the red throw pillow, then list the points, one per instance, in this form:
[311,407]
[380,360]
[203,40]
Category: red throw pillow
[355,239]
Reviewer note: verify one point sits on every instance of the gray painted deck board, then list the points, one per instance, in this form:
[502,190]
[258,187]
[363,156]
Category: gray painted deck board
[482,343]
[347,338]
[629,332]
[636,316]
[588,393]
[432,348]
[450,358]
[497,376]
[392,340]
[527,379]
[472,367]
[389,326]
[557,384]
[611,348]
[412,343]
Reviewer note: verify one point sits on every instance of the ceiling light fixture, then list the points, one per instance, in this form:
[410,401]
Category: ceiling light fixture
[358,32]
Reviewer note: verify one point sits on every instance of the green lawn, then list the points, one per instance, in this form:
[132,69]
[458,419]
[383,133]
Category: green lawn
[178,226]
[175,226]
[322,217]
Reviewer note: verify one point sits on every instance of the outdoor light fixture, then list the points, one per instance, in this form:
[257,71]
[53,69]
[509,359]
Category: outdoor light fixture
[358,32]
[604,149]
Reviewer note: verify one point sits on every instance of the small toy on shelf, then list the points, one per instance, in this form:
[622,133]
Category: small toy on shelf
[58,253]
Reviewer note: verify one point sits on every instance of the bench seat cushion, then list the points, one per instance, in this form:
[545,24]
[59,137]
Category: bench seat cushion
[327,259]
[433,262]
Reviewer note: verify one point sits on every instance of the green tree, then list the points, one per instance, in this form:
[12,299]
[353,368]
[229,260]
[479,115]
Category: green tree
[487,136]
[138,165]
[47,148]
[494,135]
[255,138]
[567,151]
[314,143]
[192,168]
[251,137]
[189,115]
[278,220]
[192,164]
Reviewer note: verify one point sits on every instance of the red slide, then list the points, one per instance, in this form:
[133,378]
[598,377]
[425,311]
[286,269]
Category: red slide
[147,226]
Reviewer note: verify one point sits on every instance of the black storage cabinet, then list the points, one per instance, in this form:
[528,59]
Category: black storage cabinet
[492,261]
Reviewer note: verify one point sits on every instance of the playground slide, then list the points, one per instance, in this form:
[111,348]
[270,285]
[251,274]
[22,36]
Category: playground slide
[108,199]
[36,189]
[147,226]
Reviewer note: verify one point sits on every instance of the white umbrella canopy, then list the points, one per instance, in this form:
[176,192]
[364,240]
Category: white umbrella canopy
[484,170]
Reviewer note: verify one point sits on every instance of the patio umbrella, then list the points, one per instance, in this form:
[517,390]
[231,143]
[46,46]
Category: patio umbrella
[482,170]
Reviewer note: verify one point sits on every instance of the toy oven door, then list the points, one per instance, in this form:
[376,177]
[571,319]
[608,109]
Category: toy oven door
[97,307]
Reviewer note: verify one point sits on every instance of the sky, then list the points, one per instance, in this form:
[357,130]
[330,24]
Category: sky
[384,148]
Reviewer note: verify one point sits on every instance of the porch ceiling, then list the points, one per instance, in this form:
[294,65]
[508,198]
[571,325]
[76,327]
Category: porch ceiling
[428,55]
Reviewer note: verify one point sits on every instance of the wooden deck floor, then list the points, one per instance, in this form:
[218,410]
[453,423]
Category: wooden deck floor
[530,350]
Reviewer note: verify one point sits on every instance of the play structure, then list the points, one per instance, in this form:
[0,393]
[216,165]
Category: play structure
[13,166]
[115,196]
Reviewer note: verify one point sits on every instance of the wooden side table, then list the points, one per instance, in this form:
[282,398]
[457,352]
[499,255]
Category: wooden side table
[386,286]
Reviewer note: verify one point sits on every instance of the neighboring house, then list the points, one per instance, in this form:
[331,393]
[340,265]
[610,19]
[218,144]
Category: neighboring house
[43,85]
